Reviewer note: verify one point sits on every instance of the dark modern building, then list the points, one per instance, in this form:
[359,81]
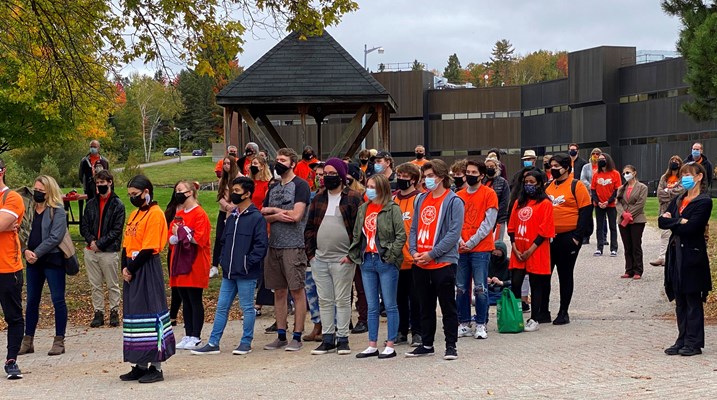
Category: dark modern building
[629,110]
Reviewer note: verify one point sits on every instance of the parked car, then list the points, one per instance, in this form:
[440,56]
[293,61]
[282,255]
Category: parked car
[199,152]
[172,151]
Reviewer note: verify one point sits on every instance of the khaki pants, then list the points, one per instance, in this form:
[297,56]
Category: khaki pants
[103,268]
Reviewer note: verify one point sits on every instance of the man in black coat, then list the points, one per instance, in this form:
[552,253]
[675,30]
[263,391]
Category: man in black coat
[697,155]
[89,165]
[102,227]
[577,162]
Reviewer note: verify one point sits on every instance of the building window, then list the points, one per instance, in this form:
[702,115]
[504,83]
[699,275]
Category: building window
[448,117]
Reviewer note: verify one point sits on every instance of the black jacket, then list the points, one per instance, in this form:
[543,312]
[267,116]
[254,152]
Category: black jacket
[86,175]
[244,244]
[705,163]
[578,165]
[687,266]
[113,218]
[502,189]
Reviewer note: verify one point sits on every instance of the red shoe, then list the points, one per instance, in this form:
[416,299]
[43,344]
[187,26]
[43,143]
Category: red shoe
[636,277]
[626,276]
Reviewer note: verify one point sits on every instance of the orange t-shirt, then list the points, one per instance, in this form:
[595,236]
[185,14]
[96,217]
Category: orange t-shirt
[605,184]
[146,229]
[476,205]
[11,254]
[526,224]
[407,206]
[369,226]
[198,221]
[672,181]
[685,202]
[261,188]
[419,163]
[427,226]
[566,207]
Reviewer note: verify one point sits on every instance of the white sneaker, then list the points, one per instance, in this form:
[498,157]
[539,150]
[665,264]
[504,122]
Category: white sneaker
[213,271]
[193,343]
[464,330]
[532,325]
[182,342]
[481,332]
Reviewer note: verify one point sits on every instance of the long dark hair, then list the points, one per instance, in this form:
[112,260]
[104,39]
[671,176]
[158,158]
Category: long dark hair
[171,209]
[540,195]
[225,183]
[669,171]
[610,163]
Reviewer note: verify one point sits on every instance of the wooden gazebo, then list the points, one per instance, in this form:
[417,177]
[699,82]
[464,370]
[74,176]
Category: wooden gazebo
[314,77]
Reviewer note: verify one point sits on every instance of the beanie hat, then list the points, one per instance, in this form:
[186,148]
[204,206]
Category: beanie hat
[339,165]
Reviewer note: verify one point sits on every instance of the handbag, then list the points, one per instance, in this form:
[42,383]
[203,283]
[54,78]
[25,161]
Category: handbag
[510,313]
[69,256]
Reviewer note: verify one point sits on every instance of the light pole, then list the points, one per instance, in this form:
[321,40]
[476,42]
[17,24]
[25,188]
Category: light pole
[485,78]
[366,50]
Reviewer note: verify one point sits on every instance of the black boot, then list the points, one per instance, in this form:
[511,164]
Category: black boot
[98,320]
[114,318]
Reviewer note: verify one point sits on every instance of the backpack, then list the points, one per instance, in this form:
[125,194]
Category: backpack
[590,227]
[26,223]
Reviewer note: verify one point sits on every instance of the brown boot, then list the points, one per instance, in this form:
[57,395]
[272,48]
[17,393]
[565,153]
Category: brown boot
[27,346]
[58,346]
[315,335]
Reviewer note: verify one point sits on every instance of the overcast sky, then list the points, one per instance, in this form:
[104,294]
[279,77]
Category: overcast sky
[430,31]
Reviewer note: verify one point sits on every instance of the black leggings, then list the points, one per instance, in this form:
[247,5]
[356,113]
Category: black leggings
[539,293]
[409,307]
[193,310]
[176,299]
[217,252]
[563,255]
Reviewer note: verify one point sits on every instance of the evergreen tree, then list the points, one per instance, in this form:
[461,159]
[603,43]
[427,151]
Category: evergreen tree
[418,66]
[453,70]
[501,61]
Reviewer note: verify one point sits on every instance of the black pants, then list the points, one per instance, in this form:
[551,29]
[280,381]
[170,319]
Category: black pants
[11,303]
[217,252]
[264,296]
[632,242]
[563,255]
[690,320]
[539,293]
[409,308]
[176,299]
[193,310]
[432,284]
[611,213]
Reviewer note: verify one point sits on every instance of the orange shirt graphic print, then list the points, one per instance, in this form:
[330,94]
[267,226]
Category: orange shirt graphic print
[524,215]
[428,218]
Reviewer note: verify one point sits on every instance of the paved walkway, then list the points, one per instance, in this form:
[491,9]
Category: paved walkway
[612,349]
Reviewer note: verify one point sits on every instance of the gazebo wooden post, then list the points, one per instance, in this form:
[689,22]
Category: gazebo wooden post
[386,128]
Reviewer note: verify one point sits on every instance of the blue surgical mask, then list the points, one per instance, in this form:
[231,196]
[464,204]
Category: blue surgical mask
[688,182]
[530,189]
[696,153]
[431,183]
[527,163]
[378,168]
[94,150]
[371,193]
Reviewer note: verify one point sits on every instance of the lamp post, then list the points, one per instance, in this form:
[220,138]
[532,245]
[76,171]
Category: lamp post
[366,50]
[485,78]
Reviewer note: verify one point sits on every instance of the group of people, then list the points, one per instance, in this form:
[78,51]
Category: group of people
[304,232]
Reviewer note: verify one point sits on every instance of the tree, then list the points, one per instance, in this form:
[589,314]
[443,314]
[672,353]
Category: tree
[475,74]
[202,118]
[500,62]
[418,66]
[538,66]
[698,46]
[452,72]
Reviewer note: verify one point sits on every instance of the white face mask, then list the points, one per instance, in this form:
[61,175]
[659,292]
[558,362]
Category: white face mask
[628,176]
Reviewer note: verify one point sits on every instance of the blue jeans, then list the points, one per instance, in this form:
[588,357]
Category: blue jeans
[472,266]
[379,277]
[36,276]
[228,291]
[312,298]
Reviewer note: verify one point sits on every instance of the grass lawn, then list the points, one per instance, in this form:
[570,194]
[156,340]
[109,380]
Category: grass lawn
[197,169]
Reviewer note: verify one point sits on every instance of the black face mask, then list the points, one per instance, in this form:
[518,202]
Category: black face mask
[555,173]
[236,198]
[307,156]
[573,153]
[332,182]
[137,201]
[495,259]
[280,168]
[254,169]
[546,166]
[674,166]
[459,181]
[420,156]
[249,153]
[180,198]
[103,189]
[490,171]
[602,163]
[472,180]
[233,155]
[403,184]
[39,197]
[364,161]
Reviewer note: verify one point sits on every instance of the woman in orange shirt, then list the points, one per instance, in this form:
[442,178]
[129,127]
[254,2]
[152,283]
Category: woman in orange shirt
[530,229]
[261,175]
[603,189]
[668,188]
[190,243]
[148,336]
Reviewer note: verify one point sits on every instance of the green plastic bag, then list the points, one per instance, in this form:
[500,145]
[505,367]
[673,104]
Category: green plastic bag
[510,313]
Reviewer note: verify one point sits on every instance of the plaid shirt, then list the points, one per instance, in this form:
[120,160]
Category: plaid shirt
[348,205]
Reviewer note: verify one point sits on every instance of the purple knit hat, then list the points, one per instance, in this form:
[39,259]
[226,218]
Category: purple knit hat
[340,166]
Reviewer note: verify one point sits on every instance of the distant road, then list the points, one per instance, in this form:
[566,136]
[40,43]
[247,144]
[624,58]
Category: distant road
[163,162]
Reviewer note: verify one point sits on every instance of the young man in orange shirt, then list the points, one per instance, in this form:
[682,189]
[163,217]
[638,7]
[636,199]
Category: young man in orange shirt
[12,210]
[475,247]
[433,244]
[420,156]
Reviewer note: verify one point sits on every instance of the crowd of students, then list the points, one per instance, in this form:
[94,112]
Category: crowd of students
[305,232]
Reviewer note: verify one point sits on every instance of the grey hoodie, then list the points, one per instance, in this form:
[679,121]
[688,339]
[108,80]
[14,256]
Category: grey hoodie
[450,223]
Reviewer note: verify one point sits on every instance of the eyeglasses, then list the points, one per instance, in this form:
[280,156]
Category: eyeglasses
[331,173]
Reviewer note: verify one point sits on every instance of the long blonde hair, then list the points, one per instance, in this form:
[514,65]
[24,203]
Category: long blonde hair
[53,194]
[264,174]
